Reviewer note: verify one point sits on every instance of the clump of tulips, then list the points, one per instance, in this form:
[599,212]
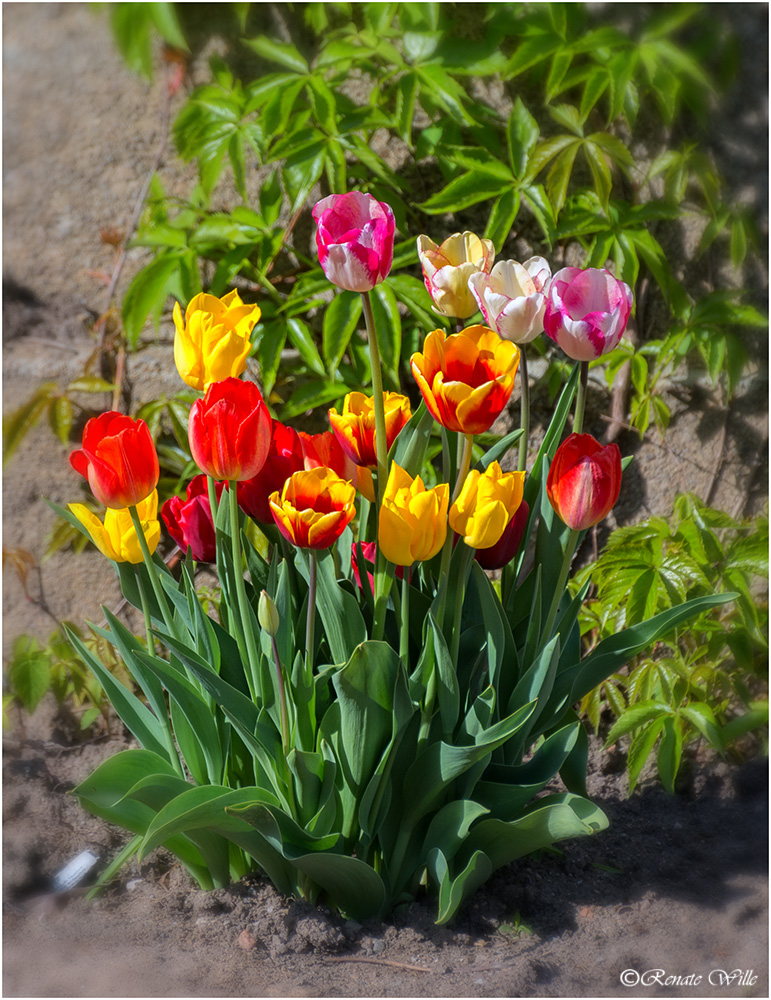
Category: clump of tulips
[366,716]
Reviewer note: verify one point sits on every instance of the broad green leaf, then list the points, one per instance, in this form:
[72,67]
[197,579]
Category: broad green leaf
[341,319]
[278,52]
[18,423]
[300,335]
[341,616]
[468,189]
[147,291]
[452,891]
[501,220]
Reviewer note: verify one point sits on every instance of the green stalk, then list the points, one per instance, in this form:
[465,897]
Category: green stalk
[524,421]
[467,556]
[310,625]
[444,567]
[281,698]
[578,419]
[463,467]
[212,487]
[559,590]
[383,580]
[152,570]
[404,635]
[168,736]
[243,603]
[377,398]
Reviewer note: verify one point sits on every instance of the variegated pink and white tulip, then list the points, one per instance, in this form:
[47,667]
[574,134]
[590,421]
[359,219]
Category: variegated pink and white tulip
[355,240]
[512,297]
[448,267]
[587,311]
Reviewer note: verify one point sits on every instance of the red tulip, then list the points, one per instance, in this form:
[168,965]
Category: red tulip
[230,430]
[323,451]
[507,546]
[190,521]
[285,456]
[584,480]
[355,240]
[118,459]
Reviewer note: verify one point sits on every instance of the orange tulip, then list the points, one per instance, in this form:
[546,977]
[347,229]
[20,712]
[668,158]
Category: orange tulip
[355,427]
[466,379]
[314,508]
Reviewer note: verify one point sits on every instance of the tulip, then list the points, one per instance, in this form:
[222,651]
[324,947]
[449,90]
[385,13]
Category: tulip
[285,456]
[314,508]
[190,521]
[413,519]
[466,379]
[116,537]
[355,427]
[499,555]
[355,240]
[584,480]
[587,311]
[486,504]
[448,267]
[213,339]
[118,459]
[230,430]
[512,297]
[324,451]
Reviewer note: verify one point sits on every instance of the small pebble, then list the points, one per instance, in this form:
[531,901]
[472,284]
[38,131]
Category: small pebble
[247,941]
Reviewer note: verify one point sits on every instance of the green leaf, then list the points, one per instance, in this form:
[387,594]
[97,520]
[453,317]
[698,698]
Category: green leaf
[147,293]
[452,891]
[388,327]
[700,715]
[278,52]
[638,715]
[29,676]
[640,750]
[501,220]
[309,396]
[670,752]
[341,319]
[468,189]
[17,424]
[344,625]
[300,335]
[522,134]
[301,170]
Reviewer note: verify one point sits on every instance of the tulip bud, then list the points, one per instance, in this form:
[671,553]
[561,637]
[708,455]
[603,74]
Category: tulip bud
[448,267]
[584,480]
[267,614]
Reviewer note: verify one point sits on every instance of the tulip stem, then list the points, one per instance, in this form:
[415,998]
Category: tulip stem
[578,419]
[310,625]
[281,697]
[467,556]
[145,611]
[383,580]
[212,487]
[152,571]
[377,397]
[465,464]
[244,608]
[524,385]
[559,590]
[404,636]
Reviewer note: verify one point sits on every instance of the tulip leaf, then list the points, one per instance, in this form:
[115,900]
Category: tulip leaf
[551,819]
[344,625]
[311,395]
[452,891]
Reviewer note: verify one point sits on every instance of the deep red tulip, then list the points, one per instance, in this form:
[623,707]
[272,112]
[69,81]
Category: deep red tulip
[584,480]
[230,430]
[118,459]
[507,546]
[190,521]
[285,456]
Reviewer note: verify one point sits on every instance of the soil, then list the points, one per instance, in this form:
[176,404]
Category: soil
[677,884]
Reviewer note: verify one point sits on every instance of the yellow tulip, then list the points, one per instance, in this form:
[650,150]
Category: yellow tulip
[213,339]
[486,504]
[413,519]
[116,538]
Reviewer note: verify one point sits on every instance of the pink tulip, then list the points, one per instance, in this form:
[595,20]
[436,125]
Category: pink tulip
[587,311]
[355,240]
[512,298]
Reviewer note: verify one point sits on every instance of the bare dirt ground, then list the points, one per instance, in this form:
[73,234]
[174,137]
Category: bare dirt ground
[677,884]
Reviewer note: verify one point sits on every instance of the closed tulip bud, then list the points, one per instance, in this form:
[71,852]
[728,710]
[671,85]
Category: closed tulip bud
[190,522]
[355,427]
[499,555]
[314,508]
[118,459]
[587,311]
[466,379]
[230,430]
[116,537]
[486,504]
[512,298]
[413,519]
[213,339]
[267,614]
[355,240]
[584,480]
[448,267]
